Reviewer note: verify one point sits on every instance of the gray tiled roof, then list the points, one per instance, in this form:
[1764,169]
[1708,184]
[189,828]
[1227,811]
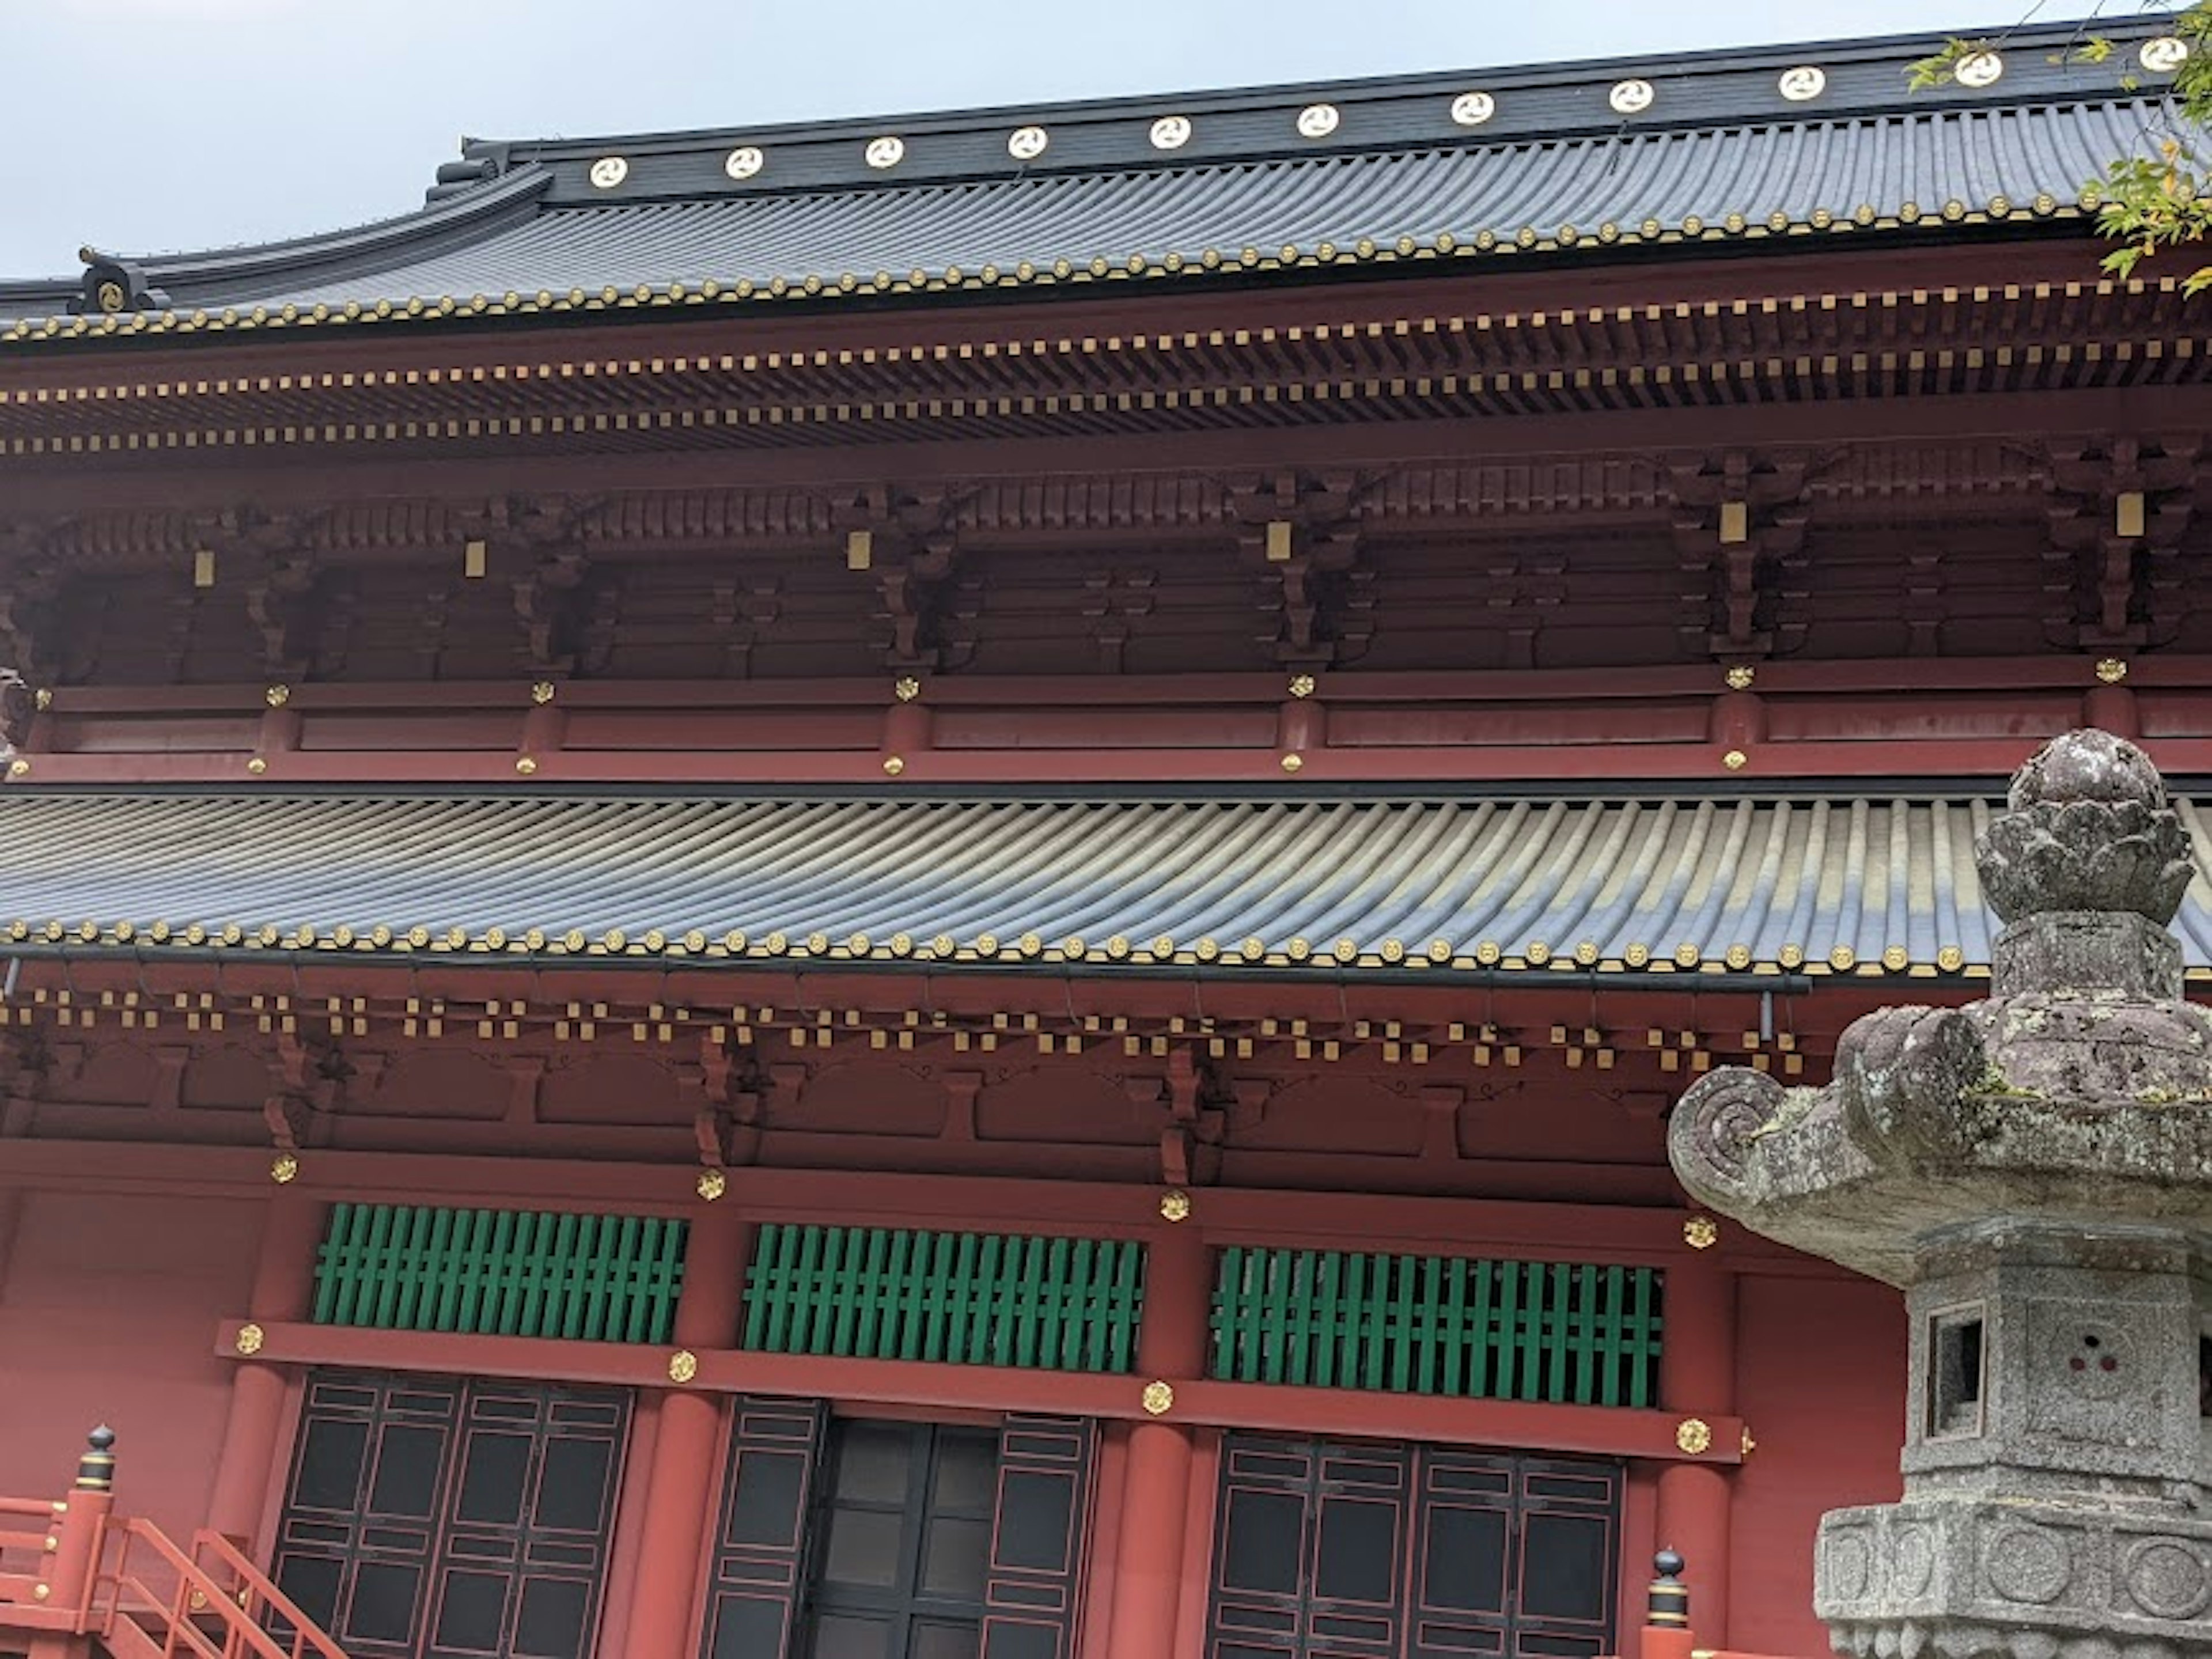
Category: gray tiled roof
[1249,886]
[1718,153]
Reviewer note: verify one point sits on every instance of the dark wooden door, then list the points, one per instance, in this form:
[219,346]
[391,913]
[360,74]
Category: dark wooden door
[440,1518]
[860,1540]
[1352,1551]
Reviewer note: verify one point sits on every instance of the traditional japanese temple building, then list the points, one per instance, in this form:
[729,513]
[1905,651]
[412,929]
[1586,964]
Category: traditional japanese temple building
[931,888]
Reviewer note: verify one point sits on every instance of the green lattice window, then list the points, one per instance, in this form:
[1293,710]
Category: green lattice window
[501,1272]
[1067,1304]
[1570,1333]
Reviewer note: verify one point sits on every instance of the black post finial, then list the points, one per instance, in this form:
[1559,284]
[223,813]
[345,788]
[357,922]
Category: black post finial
[1670,1596]
[95,1470]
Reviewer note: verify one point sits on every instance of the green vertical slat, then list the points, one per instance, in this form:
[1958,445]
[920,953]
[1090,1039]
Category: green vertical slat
[616,1261]
[1496,1332]
[667,1282]
[966,1317]
[1644,1325]
[1052,1301]
[557,1255]
[472,1244]
[1276,1270]
[835,1312]
[1558,1333]
[577,1239]
[988,1315]
[1027,1256]
[383,1285]
[1072,1310]
[760,1285]
[1299,1269]
[1404,1307]
[805,1291]
[1094,1319]
[607,1284]
[1129,1283]
[355,1293]
[1430,1303]
[441,1284]
[628,1319]
[1328,1311]
[869,1288]
[333,1270]
[1532,1332]
[1612,1294]
[633,1299]
[1584,1343]
[1260,1336]
[1228,1301]
[533,1233]
[1351,1319]
[1460,1351]
[1375,1326]
[501,1293]
[326,1257]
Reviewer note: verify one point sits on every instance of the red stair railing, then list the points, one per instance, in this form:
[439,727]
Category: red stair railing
[86,1575]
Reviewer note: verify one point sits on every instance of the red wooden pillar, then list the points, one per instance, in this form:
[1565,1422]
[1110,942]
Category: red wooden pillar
[1155,1496]
[665,1594]
[283,1291]
[1697,1377]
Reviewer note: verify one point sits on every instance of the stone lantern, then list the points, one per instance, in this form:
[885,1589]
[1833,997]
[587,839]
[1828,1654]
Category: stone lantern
[2035,1171]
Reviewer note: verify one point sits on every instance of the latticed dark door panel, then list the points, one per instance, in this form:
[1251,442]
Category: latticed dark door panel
[758,1576]
[1389,1552]
[1035,1599]
[528,1514]
[356,1546]
[434,1518]
[1517,1556]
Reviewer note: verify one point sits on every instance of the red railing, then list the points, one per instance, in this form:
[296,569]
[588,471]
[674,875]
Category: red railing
[212,1602]
[86,1575]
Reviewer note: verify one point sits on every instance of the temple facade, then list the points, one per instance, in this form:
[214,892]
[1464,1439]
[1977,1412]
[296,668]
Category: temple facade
[932,889]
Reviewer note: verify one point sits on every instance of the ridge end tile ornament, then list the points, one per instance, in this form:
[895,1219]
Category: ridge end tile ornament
[2035,1172]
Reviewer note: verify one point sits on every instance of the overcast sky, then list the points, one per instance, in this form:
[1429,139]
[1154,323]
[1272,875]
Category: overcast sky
[147,125]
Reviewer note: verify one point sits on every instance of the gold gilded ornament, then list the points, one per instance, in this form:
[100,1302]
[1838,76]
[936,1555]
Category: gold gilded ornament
[1175,1205]
[250,1339]
[1158,1399]
[907,689]
[712,1184]
[893,765]
[542,693]
[1735,759]
[277,696]
[526,765]
[284,1169]
[1740,677]
[2112,671]
[1701,1232]
[1302,685]
[682,1365]
[1694,1435]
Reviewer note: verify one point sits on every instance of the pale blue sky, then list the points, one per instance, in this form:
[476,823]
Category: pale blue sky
[143,125]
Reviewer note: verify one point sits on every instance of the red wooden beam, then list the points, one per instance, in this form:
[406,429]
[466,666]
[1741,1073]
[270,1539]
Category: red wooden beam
[1605,1430]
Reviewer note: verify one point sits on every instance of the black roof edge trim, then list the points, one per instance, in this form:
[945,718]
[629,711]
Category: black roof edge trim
[1747,983]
